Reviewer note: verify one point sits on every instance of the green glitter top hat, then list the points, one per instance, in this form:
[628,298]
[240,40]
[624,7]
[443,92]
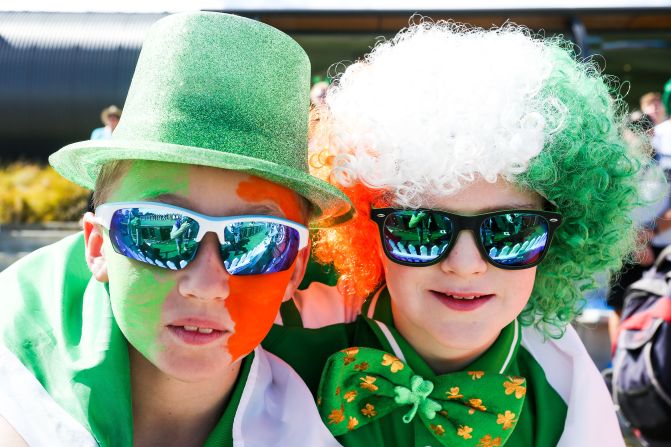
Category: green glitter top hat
[215,90]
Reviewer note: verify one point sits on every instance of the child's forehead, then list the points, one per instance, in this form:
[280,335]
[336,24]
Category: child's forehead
[146,178]
[208,190]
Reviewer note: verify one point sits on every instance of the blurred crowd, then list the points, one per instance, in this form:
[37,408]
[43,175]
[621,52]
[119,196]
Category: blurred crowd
[651,132]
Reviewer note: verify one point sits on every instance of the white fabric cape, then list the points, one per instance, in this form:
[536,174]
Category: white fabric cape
[275,409]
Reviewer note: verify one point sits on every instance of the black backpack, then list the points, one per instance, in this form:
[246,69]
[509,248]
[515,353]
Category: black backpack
[641,380]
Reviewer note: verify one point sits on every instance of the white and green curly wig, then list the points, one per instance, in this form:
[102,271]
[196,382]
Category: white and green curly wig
[442,104]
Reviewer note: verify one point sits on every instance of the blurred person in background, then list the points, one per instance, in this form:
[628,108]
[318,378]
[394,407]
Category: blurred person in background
[660,138]
[637,136]
[651,105]
[318,93]
[110,118]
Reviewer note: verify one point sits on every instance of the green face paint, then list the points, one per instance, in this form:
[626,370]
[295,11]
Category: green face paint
[137,295]
[147,179]
[137,292]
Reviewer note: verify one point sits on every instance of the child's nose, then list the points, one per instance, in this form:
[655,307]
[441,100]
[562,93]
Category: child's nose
[205,277]
[465,257]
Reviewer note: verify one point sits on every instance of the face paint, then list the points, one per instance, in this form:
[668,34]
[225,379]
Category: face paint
[137,292]
[255,300]
[137,295]
[253,305]
[146,179]
[258,190]
[145,298]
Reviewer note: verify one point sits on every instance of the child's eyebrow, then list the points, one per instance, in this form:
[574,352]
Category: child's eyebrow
[512,206]
[170,199]
[256,209]
[184,202]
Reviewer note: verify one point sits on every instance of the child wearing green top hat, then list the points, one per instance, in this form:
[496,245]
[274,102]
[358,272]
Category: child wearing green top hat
[145,329]
[491,184]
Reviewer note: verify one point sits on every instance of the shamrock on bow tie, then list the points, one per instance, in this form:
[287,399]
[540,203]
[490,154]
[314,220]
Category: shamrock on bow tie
[417,396]
[469,408]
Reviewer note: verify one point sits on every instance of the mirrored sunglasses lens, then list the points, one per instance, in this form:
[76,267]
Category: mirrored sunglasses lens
[416,236]
[165,240]
[254,248]
[514,239]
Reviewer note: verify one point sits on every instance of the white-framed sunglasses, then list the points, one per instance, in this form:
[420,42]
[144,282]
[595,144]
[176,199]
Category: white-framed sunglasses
[168,236]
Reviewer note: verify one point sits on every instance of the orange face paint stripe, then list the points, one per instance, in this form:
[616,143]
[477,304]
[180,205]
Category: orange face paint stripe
[253,304]
[254,301]
[257,190]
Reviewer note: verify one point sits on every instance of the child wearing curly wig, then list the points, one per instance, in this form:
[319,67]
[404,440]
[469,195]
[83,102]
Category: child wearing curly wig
[491,184]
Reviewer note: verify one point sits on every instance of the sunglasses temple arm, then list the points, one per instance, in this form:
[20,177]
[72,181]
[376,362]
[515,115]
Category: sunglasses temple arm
[304,238]
[101,218]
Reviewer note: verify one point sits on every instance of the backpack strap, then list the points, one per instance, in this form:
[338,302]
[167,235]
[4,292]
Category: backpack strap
[643,319]
[663,257]
[656,280]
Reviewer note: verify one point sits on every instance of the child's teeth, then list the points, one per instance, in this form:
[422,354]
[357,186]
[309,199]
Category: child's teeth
[202,330]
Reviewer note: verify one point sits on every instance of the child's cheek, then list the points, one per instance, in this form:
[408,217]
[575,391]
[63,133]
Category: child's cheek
[137,294]
[253,304]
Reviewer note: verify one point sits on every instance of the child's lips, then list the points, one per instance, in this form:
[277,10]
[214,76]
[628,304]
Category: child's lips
[462,301]
[199,323]
[196,331]
[192,335]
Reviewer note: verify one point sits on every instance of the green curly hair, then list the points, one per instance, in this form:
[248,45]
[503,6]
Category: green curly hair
[592,177]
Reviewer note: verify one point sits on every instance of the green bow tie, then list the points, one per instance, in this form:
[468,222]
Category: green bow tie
[469,408]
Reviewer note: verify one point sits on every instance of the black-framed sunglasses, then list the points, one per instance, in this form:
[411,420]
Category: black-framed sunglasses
[510,239]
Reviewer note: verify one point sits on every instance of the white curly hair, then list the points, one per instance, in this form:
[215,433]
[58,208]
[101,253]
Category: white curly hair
[438,106]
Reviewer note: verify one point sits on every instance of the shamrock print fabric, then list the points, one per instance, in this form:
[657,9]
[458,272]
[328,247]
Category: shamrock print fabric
[467,408]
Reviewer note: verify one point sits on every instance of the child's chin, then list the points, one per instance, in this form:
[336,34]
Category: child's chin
[460,338]
[193,369]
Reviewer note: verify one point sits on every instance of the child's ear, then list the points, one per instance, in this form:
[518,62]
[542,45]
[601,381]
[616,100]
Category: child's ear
[93,240]
[298,273]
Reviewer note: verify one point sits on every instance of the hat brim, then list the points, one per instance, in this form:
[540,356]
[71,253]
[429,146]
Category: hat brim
[81,163]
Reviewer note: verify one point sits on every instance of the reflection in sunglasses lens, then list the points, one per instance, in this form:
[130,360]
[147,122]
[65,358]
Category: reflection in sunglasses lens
[253,248]
[417,236]
[422,236]
[514,239]
[163,239]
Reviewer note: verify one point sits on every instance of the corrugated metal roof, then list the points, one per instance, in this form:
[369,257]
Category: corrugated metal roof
[64,30]
[58,70]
